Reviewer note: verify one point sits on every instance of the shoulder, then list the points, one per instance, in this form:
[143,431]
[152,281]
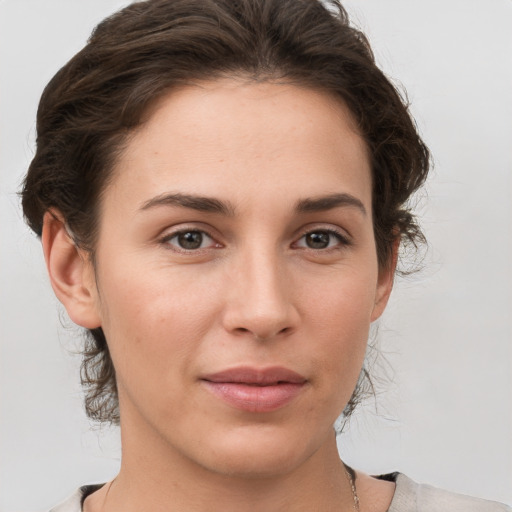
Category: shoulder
[74,502]
[413,497]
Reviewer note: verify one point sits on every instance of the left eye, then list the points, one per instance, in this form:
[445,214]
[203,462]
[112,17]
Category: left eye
[190,240]
[321,239]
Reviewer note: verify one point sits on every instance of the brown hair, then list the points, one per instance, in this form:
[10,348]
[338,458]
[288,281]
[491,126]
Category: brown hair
[138,54]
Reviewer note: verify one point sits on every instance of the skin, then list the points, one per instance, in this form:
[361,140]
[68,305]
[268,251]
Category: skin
[255,293]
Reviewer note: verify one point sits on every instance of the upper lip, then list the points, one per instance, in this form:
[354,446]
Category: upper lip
[256,376]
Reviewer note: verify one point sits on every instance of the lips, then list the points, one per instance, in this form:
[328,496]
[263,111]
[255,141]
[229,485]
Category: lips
[255,390]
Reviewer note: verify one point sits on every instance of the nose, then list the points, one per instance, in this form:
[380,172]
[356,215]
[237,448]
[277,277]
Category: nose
[259,298]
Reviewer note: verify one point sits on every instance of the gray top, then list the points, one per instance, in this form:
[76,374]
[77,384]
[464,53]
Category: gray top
[412,497]
[409,497]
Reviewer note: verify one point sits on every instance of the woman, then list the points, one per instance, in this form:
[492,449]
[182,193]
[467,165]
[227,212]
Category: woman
[221,193]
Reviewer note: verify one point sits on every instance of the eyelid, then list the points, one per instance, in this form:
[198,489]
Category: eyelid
[344,238]
[176,231]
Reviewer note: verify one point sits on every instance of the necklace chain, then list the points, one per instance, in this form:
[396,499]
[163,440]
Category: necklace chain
[352,481]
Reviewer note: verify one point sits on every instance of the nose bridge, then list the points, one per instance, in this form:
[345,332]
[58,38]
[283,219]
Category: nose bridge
[260,302]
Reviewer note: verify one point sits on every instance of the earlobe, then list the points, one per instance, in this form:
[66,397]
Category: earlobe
[70,271]
[385,282]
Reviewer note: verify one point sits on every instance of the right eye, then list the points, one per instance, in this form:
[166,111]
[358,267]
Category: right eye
[190,240]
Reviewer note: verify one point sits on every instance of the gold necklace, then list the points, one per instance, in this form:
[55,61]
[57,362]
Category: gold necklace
[352,481]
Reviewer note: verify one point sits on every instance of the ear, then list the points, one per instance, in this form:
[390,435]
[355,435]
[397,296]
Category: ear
[385,282]
[71,272]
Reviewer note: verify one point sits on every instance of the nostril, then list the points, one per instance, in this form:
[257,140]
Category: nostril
[262,336]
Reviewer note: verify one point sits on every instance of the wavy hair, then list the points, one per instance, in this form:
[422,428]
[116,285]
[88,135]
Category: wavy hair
[93,103]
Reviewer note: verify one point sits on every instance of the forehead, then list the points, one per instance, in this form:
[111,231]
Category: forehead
[222,137]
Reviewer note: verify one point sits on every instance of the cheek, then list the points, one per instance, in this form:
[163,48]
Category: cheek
[342,301]
[153,320]
[339,315]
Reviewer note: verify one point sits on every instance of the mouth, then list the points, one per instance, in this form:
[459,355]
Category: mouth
[255,390]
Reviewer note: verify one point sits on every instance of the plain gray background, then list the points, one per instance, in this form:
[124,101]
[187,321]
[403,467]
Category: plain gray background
[445,411]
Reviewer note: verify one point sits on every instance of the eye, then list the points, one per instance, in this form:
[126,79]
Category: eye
[322,239]
[190,240]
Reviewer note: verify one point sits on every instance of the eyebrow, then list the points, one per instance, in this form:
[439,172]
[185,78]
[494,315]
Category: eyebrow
[212,205]
[200,203]
[324,203]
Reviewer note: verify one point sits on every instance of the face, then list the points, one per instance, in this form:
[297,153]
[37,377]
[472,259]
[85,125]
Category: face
[237,274]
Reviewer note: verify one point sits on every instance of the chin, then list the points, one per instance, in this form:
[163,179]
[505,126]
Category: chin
[262,451]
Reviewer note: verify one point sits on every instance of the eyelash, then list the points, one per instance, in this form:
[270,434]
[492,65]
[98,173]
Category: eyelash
[167,238]
[343,240]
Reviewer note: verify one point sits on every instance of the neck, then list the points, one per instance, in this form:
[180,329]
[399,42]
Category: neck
[156,477]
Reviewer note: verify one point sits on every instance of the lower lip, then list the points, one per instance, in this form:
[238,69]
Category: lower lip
[255,398]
